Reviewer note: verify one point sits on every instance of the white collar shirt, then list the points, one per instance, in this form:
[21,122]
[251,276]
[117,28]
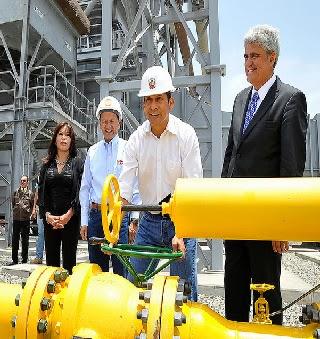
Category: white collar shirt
[159,162]
[263,90]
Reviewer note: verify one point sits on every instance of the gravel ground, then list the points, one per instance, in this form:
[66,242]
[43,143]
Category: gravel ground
[307,270]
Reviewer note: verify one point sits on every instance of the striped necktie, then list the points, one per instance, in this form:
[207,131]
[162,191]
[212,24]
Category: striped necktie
[250,111]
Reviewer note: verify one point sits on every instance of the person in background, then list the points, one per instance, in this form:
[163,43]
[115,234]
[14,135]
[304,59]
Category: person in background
[40,239]
[103,158]
[22,204]
[59,184]
[267,138]
[161,150]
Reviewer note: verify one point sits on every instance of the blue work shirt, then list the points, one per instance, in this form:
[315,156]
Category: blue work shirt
[103,158]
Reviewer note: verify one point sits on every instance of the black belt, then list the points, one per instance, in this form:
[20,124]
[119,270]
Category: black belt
[96,206]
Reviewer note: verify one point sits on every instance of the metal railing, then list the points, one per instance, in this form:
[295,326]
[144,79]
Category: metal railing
[47,86]
[89,41]
[7,95]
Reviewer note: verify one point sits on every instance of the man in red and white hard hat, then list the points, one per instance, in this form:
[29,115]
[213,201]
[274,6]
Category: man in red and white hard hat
[103,158]
[161,150]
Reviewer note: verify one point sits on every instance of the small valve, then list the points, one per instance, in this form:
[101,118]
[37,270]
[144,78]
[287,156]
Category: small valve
[261,306]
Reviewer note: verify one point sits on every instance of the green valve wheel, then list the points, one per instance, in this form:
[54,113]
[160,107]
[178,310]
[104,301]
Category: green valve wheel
[125,251]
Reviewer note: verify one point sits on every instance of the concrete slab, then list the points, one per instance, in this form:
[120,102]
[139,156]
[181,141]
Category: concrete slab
[19,270]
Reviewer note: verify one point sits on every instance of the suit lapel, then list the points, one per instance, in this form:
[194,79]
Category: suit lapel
[264,106]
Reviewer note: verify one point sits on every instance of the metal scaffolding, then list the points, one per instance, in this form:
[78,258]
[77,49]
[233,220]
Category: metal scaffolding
[38,41]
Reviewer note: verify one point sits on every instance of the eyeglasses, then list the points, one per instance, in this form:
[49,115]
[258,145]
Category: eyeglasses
[23,180]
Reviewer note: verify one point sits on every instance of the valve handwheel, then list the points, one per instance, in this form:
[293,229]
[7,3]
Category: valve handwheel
[111,209]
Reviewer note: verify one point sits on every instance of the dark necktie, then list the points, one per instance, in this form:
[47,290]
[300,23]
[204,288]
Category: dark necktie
[250,111]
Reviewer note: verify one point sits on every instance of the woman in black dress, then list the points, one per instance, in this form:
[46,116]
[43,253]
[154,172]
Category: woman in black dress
[59,184]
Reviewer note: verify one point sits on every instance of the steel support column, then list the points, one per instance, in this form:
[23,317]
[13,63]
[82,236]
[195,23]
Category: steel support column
[106,47]
[17,160]
[217,246]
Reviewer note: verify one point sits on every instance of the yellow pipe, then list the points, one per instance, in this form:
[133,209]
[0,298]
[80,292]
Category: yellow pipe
[8,308]
[204,323]
[268,209]
[97,305]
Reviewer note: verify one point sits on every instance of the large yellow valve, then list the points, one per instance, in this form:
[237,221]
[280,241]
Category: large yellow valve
[97,305]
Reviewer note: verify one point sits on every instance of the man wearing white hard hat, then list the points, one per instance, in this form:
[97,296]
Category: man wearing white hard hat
[161,150]
[103,158]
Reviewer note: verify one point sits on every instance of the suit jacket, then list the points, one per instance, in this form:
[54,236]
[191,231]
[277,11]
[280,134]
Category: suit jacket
[274,143]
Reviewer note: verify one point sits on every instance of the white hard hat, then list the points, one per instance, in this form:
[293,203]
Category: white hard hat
[155,80]
[110,104]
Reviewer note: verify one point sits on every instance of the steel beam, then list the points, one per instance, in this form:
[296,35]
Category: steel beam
[202,61]
[132,29]
[106,45]
[216,123]
[34,134]
[6,130]
[189,16]
[13,67]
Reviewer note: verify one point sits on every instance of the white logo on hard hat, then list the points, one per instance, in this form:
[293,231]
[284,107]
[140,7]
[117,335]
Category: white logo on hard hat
[108,102]
[152,83]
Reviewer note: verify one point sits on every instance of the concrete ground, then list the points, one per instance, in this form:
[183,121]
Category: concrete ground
[209,282]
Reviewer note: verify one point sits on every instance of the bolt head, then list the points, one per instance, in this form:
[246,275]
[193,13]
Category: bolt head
[45,304]
[147,284]
[60,275]
[143,315]
[51,287]
[179,298]
[42,326]
[179,318]
[14,321]
[17,300]
[141,295]
[147,296]
[56,276]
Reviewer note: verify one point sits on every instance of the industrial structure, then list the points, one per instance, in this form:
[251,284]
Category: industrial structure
[59,57]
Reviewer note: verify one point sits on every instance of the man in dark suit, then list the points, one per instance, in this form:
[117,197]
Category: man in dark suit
[266,139]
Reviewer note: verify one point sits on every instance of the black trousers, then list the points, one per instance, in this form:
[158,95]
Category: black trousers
[68,238]
[250,261]
[20,228]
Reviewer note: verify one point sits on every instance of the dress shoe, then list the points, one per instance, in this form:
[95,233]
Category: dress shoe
[12,263]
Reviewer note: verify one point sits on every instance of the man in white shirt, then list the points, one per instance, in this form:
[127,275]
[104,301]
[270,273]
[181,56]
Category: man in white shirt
[103,158]
[161,150]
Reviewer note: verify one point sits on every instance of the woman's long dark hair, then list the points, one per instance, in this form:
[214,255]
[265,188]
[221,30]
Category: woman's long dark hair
[52,150]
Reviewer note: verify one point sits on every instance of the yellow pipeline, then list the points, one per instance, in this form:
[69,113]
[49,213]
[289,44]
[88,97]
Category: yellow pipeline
[268,209]
[8,308]
[97,305]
